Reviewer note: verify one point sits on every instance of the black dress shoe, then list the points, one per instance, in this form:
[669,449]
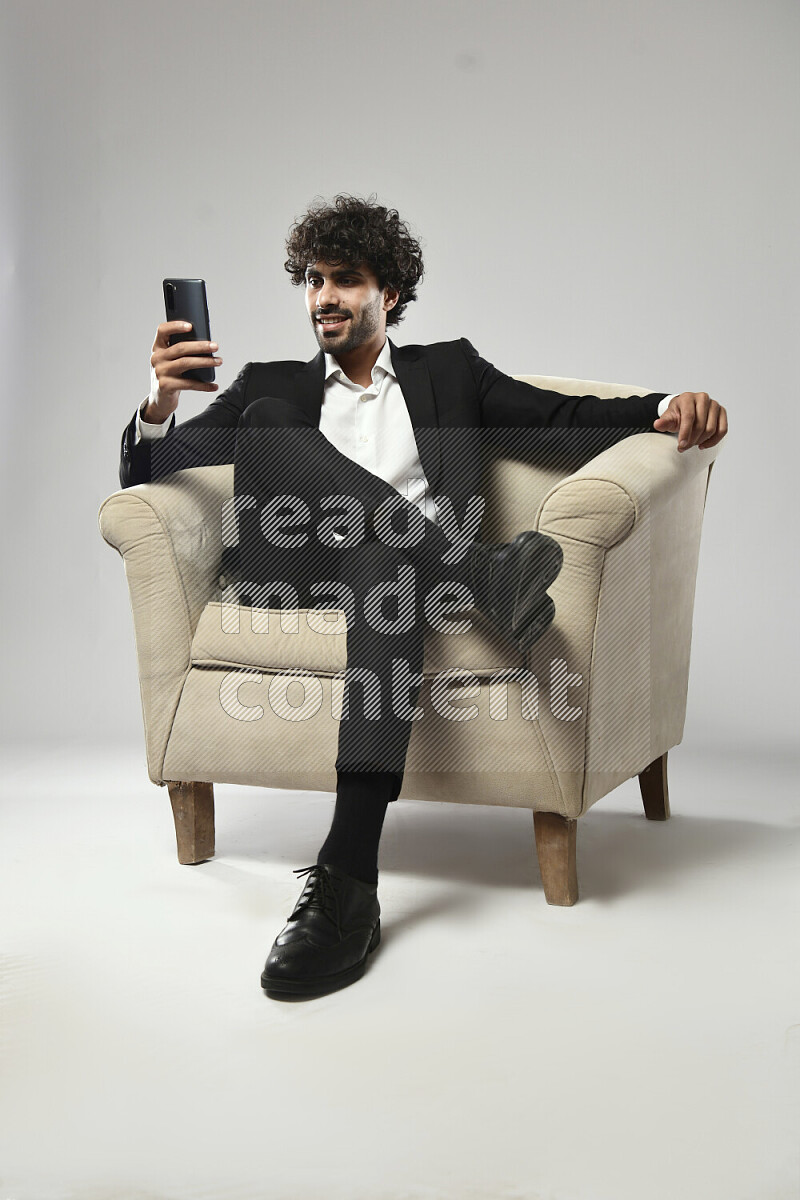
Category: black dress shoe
[331,931]
[509,582]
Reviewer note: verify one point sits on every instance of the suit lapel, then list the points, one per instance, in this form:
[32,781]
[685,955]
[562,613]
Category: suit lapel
[309,384]
[415,383]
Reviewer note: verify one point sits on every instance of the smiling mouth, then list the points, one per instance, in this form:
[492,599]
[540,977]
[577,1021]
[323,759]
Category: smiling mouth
[332,322]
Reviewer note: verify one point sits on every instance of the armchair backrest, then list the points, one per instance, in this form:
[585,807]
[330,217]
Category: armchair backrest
[520,468]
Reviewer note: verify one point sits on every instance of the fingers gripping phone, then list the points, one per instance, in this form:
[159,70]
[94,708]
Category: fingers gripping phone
[185,300]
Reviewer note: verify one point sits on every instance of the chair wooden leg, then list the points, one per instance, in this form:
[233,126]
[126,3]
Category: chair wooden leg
[556,845]
[655,792]
[193,810]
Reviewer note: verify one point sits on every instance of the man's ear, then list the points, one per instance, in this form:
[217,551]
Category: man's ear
[390,297]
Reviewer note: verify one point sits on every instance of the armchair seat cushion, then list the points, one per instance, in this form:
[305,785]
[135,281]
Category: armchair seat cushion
[271,640]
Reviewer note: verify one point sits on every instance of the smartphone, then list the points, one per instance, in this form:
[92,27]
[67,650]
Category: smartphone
[185,300]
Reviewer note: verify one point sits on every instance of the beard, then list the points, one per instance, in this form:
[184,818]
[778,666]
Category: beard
[359,330]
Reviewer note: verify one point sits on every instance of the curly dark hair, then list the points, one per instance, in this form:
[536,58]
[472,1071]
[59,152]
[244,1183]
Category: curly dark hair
[354,231]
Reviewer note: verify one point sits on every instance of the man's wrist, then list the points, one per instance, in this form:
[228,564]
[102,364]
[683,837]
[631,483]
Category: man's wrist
[150,430]
[150,414]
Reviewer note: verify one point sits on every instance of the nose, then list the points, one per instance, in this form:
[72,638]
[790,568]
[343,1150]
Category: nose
[328,296]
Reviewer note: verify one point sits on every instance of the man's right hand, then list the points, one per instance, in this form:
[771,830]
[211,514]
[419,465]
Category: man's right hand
[166,366]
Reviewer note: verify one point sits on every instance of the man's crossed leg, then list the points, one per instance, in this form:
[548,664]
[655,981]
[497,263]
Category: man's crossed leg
[307,516]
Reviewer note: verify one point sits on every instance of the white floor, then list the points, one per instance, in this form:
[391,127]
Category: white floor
[644,1044]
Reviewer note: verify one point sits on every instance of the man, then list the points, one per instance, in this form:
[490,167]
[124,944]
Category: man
[372,431]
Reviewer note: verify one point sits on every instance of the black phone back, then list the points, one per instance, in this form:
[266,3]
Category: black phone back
[185,300]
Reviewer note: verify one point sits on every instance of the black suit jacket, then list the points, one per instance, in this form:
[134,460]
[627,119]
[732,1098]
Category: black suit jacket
[458,403]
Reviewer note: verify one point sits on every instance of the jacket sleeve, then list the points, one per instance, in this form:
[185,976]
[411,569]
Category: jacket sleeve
[512,402]
[208,439]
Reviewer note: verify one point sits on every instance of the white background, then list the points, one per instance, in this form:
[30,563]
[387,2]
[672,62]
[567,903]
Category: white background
[603,190]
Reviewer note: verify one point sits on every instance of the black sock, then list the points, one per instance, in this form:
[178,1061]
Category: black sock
[361,801]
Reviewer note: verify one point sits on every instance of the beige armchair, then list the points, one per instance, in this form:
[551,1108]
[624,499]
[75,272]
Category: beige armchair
[253,696]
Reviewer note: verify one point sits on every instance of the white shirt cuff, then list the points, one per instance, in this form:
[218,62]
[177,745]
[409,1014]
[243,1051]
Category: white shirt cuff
[149,429]
[663,405]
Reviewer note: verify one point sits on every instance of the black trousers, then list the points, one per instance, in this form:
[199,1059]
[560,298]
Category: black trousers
[292,490]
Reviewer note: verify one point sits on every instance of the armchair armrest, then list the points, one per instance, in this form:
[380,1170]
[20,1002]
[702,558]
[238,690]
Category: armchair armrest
[169,536]
[629,523]
[600,502]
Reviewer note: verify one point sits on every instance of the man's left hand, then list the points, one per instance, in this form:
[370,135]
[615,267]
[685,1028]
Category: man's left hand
[696,418]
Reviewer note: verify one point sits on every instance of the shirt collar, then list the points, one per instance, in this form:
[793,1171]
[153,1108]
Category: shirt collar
[382,363]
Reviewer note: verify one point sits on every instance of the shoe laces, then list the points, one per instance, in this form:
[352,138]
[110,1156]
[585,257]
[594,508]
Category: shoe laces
[319,893]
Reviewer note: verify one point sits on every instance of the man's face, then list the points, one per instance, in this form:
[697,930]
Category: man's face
[350,294]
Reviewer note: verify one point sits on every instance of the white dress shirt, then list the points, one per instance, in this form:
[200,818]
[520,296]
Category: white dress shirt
[370,426]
